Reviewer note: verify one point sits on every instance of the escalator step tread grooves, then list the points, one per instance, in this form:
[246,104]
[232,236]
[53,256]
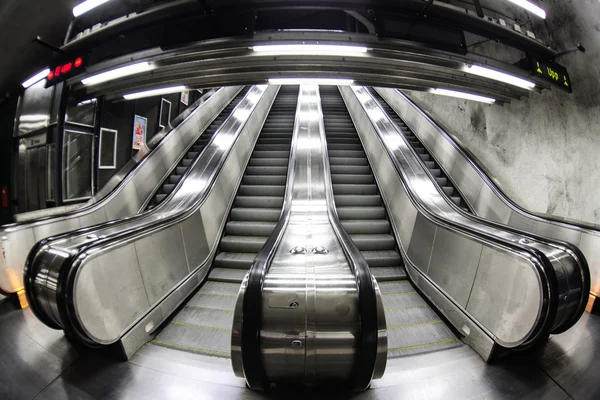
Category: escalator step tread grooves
[441,178]
[171,181]
[413,327]
[204,323]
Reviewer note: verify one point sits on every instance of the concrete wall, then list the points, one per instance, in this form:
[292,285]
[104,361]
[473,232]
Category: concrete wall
[544,151]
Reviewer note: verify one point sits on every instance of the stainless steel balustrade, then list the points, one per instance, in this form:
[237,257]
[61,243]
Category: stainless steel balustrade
[484,196]
[124,195]
[309,310]
[120,281]
[498,288]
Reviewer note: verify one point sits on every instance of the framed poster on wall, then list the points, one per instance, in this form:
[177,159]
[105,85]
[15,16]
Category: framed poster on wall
[140,127]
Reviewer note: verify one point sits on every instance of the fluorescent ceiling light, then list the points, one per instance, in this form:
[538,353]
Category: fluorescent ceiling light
[36,78]
[499,76]
[310,81]
[90,101]
[117,73]
[154,92]
[468,96]
[310,49]
[86,6]
[530,7]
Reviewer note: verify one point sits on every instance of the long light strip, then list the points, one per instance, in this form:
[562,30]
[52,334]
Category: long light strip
[462,95]
[117,73]
[530,7]
[311,81]
[154,92]
[36,78]
[310,49]
[499,76]
[86,6]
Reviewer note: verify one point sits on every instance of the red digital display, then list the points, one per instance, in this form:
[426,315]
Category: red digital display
[63,71]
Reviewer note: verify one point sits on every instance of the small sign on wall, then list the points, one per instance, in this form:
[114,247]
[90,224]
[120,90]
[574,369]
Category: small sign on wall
[140,127]
[185,98]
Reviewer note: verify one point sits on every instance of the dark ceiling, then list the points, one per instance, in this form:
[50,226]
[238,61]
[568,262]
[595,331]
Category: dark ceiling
[20,22]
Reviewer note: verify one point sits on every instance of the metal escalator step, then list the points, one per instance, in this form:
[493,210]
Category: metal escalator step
[389,258]
[420,150]
[383,274]
[357,200]
[196,338]
[180,170]
[341,189]
[374,242]
[234,260]
[261,190]
[351,169]
[209,317]
[332,140]
[197,148]
[268,162]
[436,172]
[352,178]
[361,212]
[259,201]
[348,161]
[217,289]
[168,188]
[420,338]
[270,154]
[227,275]
[174,178]
[242,244]
[400,287]
[425,157]
[347,153]
[159,197]
[345,146]
[362,226]
[395,317]
[249,228]
[430,164]
[186,163]
[191,154]
[441,181]
[449,190]
[456,200]
[266,170]
[255,214]
[264,179]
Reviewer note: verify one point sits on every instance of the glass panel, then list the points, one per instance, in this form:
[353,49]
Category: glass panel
[82,113]
[78,153]
[51,168]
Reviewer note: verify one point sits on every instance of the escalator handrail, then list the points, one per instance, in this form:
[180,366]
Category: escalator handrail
[486,176]
[81,253]
[558,244]
[535,257]
[127,171]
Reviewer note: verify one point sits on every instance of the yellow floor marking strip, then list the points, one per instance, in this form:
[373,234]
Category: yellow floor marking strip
[390,294]
[407,307]
[206,308]
[435,321]
[419,346]
[193,349]
[201,326]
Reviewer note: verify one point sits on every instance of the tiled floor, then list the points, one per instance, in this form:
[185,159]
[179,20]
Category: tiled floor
[38,362]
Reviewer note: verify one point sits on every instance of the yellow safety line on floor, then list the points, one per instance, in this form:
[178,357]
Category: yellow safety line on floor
[206,308]
[407,307]
[201,326]
[435,321]
[418,346]
[193,349]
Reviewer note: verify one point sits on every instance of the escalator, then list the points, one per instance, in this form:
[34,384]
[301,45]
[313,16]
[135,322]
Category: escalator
[203,325]
[413,326]
[171,181]
[434,168]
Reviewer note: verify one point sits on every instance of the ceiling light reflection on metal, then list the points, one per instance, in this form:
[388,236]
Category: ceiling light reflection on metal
[530,7]
[310,49]
[154,92]
[86,6]
[36,78]
[117,73]
[462,95]
[311,81]
[499,76]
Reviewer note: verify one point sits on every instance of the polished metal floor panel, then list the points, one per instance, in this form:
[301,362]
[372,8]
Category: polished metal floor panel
[413,327]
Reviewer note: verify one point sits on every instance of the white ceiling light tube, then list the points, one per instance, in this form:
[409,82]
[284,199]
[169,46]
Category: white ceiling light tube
[310,49]
[117,73]
[462,95]
[86,6]
[499,76]
[311,81]
[154,92]
[530,7]
[36,78]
